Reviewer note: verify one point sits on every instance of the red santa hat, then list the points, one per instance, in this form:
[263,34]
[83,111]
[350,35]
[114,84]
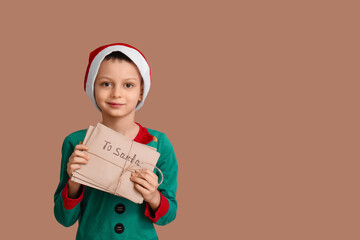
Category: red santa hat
[97,56]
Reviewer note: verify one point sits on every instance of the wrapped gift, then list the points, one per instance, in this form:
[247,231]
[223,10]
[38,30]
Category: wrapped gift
[113,157]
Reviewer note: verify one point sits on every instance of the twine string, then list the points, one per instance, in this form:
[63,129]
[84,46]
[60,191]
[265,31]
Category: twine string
[123,171]
[128,169]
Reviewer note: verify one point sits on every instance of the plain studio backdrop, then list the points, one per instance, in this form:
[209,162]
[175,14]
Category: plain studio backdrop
[260,100]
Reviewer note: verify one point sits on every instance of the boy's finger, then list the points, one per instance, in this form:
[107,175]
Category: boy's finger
[80,153]
[142,182]
[79,160]
[81,147]
[75,167]
[141,189]
[146,172]
[151,179]
[81,144]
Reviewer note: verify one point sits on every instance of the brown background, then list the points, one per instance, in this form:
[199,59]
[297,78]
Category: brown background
[260,100]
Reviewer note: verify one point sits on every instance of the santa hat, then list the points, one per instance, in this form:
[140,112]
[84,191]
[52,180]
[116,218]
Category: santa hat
[97,56]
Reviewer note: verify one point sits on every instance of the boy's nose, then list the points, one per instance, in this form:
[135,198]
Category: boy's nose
[116,92]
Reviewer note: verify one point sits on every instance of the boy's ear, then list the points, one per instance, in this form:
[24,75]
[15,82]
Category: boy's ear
[141,91]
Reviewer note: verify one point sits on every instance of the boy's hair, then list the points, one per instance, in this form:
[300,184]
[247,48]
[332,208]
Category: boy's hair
[120,56]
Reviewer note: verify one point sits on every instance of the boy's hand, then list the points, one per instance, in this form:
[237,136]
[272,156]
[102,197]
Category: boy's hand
[146,182]
[77,158]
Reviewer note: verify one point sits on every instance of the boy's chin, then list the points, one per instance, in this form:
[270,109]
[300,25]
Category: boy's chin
[113,114]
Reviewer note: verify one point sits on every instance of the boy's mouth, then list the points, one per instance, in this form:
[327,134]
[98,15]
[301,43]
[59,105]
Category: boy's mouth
[112,104]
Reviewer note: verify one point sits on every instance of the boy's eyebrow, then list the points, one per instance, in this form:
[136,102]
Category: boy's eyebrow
[104,77]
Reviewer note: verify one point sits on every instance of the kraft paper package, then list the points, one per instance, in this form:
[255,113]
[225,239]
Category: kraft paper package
[113,157]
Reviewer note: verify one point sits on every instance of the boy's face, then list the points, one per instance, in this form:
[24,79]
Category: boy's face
[118,88]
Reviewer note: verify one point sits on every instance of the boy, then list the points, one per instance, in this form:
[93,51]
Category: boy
[117,81]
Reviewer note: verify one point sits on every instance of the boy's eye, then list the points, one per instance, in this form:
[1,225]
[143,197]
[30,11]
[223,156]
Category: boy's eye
[106,84]
[129,85]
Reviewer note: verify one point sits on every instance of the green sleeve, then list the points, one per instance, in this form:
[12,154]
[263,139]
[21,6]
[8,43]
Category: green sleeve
[64,216]
[168,165]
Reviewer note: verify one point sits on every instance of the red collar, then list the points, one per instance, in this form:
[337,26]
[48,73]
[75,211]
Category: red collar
[143,135]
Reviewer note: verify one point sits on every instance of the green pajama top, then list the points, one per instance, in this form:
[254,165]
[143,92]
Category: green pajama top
[102,215]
